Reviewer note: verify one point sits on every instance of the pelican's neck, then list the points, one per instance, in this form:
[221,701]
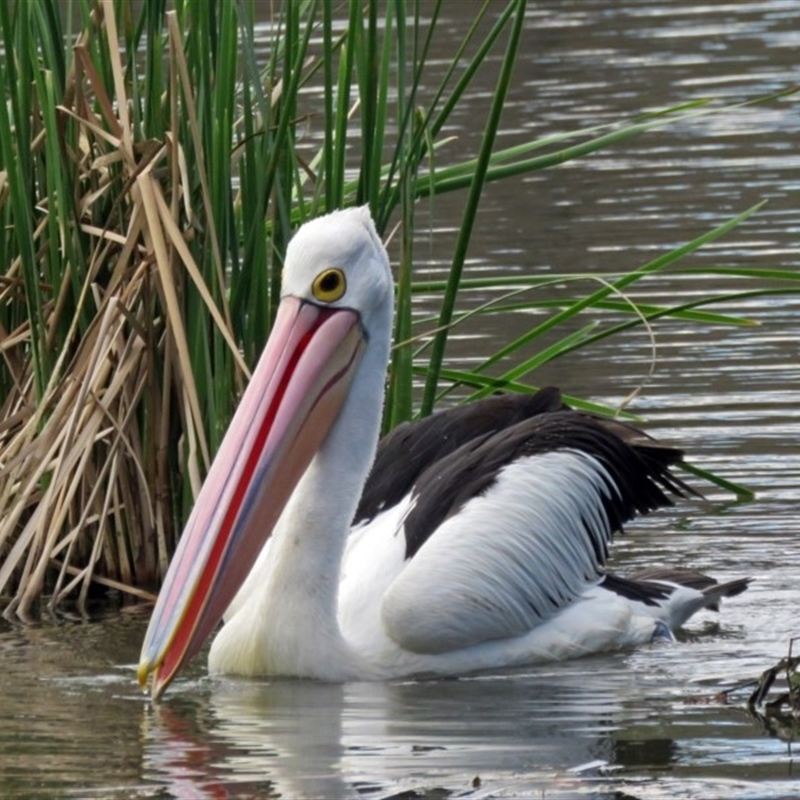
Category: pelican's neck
[311,535]
[288,620]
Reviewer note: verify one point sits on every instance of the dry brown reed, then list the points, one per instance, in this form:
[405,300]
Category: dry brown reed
[85,497]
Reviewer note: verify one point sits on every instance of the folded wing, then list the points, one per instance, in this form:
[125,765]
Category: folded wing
[512,526]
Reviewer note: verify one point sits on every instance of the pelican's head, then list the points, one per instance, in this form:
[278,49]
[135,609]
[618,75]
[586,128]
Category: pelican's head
[338,261]
[336,302]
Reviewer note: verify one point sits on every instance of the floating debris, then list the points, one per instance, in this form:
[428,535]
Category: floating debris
[787,701]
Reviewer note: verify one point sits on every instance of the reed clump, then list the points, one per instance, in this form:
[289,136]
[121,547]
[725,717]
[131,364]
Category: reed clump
[114,308]
[152,169]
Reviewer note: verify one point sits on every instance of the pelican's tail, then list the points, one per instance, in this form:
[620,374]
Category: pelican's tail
[672,595]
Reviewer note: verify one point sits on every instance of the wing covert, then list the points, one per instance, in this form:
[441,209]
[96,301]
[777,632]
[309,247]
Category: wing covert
[507,560]
[508,530]
[405,453]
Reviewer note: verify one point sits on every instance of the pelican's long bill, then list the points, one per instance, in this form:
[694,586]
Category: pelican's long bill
[290,403]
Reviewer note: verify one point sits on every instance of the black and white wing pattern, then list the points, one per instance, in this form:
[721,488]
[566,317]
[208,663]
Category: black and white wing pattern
[510,525]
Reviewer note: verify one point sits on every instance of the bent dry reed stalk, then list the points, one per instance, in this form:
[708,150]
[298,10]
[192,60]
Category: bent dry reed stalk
[152,170]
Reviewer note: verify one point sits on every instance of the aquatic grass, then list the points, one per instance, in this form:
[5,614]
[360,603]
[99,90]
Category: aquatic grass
[153,168]
[583,303]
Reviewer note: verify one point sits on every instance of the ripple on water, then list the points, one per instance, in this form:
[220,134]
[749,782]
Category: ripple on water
[620,725]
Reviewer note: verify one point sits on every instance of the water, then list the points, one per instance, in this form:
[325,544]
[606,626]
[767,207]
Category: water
[625,725]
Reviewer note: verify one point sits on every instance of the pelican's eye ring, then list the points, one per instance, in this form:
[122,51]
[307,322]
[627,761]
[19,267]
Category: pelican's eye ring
[329,285]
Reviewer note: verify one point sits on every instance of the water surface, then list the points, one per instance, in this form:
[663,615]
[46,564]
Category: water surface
[625,725]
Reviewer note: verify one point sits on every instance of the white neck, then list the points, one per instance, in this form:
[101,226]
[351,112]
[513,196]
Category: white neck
[287,622]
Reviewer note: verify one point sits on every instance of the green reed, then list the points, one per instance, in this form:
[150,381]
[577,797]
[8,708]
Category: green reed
[154,162]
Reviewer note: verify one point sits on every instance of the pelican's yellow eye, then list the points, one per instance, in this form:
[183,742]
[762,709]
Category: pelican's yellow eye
[329,285]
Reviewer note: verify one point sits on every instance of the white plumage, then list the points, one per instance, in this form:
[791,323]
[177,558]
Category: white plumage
[481,537]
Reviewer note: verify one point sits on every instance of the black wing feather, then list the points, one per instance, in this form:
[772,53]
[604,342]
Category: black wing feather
[405,453]
[638,468]
[652,585]
[456,454]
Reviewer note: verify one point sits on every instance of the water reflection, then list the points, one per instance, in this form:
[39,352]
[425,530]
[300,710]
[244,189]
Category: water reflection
[300,739]
[588,729]
[595,727]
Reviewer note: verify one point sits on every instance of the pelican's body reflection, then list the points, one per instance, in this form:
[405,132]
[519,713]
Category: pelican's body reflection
[301,739]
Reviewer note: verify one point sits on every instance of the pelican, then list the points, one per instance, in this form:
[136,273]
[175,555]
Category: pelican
[473,540]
